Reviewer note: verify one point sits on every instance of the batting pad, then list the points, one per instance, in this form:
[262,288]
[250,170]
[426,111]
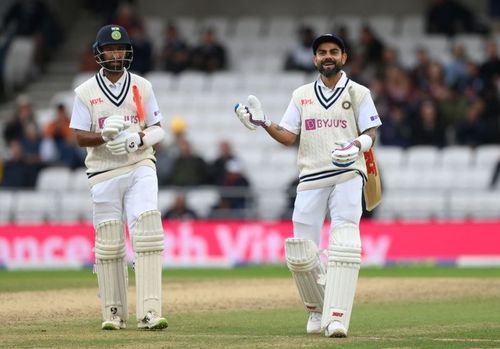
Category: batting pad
[302,258]
[148,248]
[111,268]
[344,259]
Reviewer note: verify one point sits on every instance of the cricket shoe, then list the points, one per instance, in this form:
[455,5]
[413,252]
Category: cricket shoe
[314,323]
[115,323]
[335,329]
[152,321]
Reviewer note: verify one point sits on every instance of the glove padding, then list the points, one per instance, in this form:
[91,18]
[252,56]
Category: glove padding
[113,125]
[252,114]
[126,142]
[244,116]
[345,155]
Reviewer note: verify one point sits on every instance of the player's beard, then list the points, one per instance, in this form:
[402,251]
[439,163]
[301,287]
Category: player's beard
[329,71]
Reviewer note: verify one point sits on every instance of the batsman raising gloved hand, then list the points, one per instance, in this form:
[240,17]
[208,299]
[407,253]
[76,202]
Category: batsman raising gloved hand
[337,122]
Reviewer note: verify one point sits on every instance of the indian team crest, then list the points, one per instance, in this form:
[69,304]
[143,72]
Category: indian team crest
[115,34]
[346,105]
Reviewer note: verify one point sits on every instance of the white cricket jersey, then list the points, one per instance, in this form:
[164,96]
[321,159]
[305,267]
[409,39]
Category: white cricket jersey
[98,98]
[323,116]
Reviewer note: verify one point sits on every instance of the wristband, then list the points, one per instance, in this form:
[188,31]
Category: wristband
[365,141]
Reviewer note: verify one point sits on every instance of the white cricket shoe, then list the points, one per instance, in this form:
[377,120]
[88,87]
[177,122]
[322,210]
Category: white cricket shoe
[335,329]
[152,321]
[115,323]
[314,323]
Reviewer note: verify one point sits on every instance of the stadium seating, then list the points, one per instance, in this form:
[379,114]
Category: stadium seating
[54,179]
[421,182]
[7,200]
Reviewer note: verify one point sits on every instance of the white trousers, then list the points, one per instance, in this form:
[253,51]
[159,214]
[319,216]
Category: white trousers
[343,201]
[125,197]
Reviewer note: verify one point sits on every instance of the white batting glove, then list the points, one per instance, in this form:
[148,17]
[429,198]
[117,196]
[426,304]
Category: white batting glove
[126,142]
[244,115]
[345,155]
[113,125]
[253,113]
[257,116]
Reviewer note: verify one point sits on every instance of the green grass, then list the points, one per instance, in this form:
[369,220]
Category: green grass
[470,322]
[14,281]
[418,325]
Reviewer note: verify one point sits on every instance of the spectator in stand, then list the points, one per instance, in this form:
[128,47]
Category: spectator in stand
[14,129]
[179,210]
[399,87]
[474,84]
[175,56]
[17,172]
[452,106]
[34,19]
[397,128]
[436,87]
[210,55]
[490,68]
[451,17]
[59,133]
[143,50]
[299,58]
[168,151]
[234,194]
[126,16]
[218,167]
[474,130]
[189,169]
[455,71]
[370,47]
[31,143]
[344,34]
[87,61]
[420,70]
[390,59]
[428,127]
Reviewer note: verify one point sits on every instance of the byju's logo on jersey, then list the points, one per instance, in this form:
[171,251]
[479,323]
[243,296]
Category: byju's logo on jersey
[310,124]
[313,124]
[306,101]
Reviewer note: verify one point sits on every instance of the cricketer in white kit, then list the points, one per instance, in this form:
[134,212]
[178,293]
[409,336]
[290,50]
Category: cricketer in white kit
[337,121]
[122,178]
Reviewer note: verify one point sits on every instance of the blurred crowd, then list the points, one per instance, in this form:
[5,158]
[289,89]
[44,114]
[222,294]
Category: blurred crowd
[431,103]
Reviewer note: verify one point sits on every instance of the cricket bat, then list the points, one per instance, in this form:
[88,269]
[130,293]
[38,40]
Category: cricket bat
[373,188]
[138,106]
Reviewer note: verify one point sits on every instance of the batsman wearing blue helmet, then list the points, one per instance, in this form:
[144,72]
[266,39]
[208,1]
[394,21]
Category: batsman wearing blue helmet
[122,178]
[337,122]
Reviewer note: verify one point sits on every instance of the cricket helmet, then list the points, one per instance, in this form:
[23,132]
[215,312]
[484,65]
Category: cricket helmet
[113,34]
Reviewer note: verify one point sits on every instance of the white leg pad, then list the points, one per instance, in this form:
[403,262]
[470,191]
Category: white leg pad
[148,248]
[111,269]
[344,260]
[302,258]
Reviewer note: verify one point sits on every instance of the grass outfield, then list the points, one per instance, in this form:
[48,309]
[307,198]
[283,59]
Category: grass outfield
[397,307]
